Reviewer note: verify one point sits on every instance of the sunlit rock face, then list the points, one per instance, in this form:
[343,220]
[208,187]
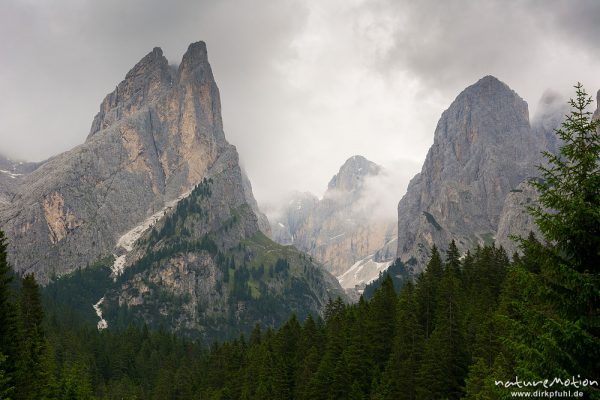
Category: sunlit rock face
[155,137]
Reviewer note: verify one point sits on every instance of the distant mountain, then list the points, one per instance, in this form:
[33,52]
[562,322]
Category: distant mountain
[483,148]
[339,230]
[158,191]
[11,173]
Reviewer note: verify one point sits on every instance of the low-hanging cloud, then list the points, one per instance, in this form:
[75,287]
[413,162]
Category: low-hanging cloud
[381,192]
[303,82]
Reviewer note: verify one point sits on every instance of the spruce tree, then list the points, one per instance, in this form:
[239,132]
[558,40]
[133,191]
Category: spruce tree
[400,377]
[453,258]
[381,322]
[8,319]
[568,268]
[445,359]
[6,388]
[427,291]
[570,189]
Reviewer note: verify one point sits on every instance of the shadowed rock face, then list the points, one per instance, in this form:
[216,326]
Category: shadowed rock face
[155,137]
[483,148]
[515,218]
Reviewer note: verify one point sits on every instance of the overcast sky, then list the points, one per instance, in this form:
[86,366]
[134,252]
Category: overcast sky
[304,84]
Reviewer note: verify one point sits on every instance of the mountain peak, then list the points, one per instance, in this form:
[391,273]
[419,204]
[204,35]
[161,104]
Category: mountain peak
[155,60]
[196,56]
[352,173]
[144,83]
[488,102]
[196,48]
[489,86]
[483,148]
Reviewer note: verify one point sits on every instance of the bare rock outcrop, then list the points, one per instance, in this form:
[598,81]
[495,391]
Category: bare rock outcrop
[483,148]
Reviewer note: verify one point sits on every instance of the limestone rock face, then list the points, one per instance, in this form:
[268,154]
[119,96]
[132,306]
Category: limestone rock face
[483,148]
[515,219]
[338,230]
[155,137]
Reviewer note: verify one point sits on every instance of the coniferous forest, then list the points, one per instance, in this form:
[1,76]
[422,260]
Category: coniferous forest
[465,323]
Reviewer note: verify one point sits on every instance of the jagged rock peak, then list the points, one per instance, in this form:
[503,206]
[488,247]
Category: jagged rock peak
[352,173]
[195,55]
[144,83]
[194,65]
[150,62]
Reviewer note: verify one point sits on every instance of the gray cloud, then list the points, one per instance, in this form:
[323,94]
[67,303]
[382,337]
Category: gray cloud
[529,44]
[304,83]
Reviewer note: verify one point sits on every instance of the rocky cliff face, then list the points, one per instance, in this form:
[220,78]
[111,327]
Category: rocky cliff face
[515,219]
[338,230]
[483,148]
[155,137]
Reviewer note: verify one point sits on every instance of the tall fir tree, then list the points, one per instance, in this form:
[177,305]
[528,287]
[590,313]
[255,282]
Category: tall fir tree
[8,319]
[570,189]
[400,377]
[33,379]
[427,291]
[445,360]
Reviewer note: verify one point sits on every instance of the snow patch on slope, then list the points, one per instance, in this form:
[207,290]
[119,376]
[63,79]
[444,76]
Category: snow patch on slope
[10,174]
[363,272]
[102,324]
[126,242]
